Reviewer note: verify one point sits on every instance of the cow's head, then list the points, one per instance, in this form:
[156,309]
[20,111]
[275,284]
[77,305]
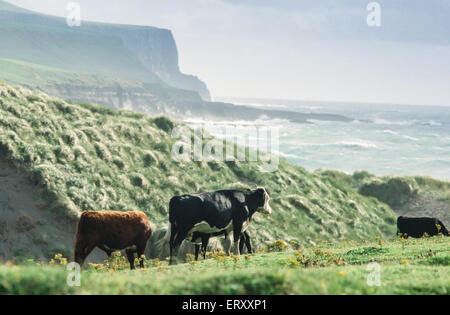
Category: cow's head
[263,199]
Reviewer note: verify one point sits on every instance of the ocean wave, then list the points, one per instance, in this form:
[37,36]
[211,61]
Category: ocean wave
[393,133]
[380,121]
[286,155]
[431,123]
[283,106]
[260,105]
[325,122]
[390,132]
[410,138]
[346,143]
[260,121]
[356,144]
[403,123]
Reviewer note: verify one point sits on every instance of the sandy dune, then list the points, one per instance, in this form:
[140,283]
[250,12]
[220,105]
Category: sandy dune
[27,228]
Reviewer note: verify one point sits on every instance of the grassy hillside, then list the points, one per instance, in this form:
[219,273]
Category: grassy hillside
[35,76]
[89,157]
[406,267]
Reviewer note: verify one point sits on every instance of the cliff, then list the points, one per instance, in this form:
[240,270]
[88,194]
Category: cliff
[138,53]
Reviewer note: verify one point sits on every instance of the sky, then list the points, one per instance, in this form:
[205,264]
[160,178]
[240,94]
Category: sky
[297,49]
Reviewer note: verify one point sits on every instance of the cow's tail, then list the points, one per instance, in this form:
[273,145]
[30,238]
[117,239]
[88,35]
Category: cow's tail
[172,208]
[166,237]
[165,240]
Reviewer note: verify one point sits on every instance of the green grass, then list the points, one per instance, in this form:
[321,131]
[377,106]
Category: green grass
[406,266]
[38,76]
[89,157]
[445,198]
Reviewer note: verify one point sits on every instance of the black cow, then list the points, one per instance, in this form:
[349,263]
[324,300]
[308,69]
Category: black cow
[417,227]
[202,238]
[214,212]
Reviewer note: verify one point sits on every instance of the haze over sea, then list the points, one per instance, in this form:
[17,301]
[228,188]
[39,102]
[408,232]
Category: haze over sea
[381,139]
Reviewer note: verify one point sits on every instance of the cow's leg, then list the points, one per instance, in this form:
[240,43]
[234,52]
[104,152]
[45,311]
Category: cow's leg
[82,250]
[236,239]
[205,241]
[173,233]
[228,244]
[242,243]
[197,249]
[248,242]
[140,248]
[237,231]
[106,250]
[78,253]
[130,256]
[245,240]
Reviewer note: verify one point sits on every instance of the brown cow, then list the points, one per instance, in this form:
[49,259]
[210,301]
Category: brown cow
[111,231]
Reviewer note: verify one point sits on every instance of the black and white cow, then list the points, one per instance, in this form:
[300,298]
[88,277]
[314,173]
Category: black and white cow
[417,227]
[201,239]
[228,211]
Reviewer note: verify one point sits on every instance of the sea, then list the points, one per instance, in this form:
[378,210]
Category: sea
[379,138]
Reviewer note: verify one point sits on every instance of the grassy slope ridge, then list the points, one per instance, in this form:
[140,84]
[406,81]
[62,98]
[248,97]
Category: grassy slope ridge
[406,267]
[90,157]
[35,76]
[109,91]
[415,196]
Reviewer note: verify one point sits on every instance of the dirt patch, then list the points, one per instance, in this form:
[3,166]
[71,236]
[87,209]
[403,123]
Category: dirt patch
[27,228]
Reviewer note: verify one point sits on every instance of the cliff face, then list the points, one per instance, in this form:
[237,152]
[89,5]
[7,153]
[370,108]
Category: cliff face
[137,53]
[157,51]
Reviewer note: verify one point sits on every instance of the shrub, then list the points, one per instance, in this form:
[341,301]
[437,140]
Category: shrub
[102,152]
[149,159]
[139,180]
[164,123]
[69,138]
[278,246]
[361,175]
[394,191]
[119,163]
